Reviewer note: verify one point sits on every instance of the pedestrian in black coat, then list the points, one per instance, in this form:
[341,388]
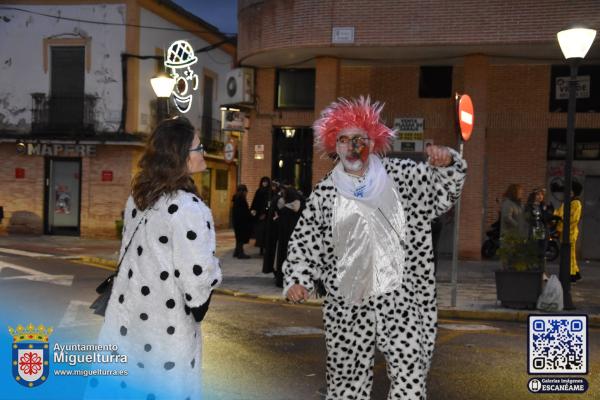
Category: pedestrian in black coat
[259,211]
[242,221]
[289,208]
[271,229]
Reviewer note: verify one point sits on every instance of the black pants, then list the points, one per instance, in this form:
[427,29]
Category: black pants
[542,244]
[239,248]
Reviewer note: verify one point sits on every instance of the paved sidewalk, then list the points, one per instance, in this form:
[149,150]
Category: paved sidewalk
[476,285]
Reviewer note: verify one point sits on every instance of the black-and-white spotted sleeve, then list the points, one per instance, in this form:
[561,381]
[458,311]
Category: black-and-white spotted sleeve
[305,248]
[429,191]
[196,269]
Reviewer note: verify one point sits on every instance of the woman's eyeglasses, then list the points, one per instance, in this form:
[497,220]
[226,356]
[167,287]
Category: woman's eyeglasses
[200,148]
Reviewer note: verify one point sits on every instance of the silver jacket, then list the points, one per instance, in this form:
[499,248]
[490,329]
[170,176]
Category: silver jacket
[369,240]
[425,192]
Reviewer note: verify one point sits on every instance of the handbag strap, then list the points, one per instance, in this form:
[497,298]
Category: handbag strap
[131,240]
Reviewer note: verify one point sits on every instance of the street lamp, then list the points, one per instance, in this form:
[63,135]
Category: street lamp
[162,84]
[574,44]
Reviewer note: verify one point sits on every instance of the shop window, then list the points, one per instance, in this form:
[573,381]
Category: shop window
[588,90]
[203,183]
[435,82]
[587,144]
[295,89]
[222,179]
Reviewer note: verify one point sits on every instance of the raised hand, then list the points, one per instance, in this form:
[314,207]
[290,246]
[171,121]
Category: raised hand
[438,156]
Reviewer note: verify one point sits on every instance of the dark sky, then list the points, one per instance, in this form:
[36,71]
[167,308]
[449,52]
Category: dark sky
[221,13]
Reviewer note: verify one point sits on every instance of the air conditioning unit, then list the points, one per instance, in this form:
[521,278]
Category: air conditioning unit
[239,86]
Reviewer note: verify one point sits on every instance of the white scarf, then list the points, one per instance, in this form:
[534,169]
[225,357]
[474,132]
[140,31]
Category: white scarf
[367,188]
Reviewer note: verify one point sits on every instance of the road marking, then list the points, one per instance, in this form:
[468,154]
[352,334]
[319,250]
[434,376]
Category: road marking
[94,265]
[23,253]
[78,313]
[72,257]
[35,275]
[468,327]
[293,331]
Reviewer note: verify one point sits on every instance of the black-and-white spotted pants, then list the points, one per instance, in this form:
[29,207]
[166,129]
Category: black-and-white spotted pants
[353,331]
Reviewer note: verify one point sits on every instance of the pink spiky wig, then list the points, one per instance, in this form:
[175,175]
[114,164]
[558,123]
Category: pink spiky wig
[354,113]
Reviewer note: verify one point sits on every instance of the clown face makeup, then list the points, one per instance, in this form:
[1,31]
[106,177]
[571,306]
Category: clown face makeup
[353,147]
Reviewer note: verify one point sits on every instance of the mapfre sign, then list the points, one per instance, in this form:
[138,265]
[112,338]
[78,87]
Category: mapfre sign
[55,150]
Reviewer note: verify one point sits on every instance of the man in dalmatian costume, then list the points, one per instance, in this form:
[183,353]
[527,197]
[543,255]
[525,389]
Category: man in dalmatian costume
[366,234]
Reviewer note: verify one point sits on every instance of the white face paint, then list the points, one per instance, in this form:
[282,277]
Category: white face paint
[353,147]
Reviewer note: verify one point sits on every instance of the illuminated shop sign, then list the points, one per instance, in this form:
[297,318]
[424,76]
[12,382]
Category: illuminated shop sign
[180,58]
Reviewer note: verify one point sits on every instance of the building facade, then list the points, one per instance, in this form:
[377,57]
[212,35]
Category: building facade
[414,57]
[77,106]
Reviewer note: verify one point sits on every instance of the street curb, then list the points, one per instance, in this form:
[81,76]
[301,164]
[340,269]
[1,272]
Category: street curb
[508,316]
[266,298]
[99,261]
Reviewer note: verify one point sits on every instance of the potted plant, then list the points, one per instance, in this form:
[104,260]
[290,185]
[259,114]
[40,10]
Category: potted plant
[519,281]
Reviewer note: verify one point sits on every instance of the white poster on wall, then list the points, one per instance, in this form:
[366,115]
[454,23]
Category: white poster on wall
[410,134]
[562,87]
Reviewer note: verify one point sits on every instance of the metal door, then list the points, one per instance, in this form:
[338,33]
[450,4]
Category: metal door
[63,194]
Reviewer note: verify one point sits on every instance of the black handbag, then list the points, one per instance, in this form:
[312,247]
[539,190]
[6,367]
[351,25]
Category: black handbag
[104,289]
[200,312]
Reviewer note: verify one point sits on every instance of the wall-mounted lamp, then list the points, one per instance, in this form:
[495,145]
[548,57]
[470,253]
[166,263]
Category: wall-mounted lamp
[162,84]
[230,109]
[289,132]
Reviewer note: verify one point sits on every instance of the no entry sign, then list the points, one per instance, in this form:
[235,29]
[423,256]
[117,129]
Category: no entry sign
[466,116]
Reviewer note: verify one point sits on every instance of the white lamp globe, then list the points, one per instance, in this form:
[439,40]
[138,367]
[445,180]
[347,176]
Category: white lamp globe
[576,42]
[162,85]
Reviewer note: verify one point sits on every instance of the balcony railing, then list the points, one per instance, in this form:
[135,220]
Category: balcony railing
[72,116]
[211,135]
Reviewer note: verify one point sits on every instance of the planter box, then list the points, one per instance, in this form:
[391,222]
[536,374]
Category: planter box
[518,289]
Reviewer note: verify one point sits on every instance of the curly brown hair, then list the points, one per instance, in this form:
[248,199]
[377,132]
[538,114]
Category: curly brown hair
[512,192]
[163,166]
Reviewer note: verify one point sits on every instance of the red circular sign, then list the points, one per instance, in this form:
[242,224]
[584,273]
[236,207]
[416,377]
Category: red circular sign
[466,116]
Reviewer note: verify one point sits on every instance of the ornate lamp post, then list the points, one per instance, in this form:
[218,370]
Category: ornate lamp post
[162,84]
[574,44]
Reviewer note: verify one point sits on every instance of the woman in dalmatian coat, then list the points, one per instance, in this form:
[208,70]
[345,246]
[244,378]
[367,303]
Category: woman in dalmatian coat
[166,277]
[366,234]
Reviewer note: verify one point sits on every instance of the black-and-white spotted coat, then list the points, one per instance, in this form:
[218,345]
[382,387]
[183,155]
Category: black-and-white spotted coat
[409,331]
[169,269]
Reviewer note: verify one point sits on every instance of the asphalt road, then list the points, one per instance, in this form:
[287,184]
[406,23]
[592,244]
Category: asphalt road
[266,351]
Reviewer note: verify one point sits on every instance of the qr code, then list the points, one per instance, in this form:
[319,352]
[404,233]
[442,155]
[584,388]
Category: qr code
[558,344]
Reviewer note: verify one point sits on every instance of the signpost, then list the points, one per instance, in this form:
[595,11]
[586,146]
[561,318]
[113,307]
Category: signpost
[465,119]
[229,151]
